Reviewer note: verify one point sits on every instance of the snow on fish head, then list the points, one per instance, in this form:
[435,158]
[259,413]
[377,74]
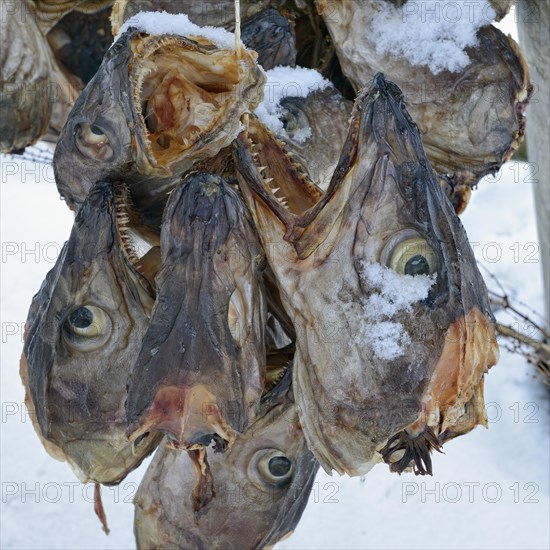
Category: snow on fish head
[394,330]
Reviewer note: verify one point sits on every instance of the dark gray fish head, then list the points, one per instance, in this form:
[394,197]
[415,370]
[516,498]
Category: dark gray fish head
[201,369]
[316,127]
[271,36]
[259,488]
[394,329]
[157,105]
[84,330]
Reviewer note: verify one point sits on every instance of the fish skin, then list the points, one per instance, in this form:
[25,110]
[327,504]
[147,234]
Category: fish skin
[201,368]
[248,510]
[326,113]
[76,386]
[471,121]
[107,136]
[351,401]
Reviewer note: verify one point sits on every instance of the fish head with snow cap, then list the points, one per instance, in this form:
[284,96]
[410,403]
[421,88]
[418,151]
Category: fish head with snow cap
[250,497]
[201,369]
[393,324]
[466,83]
[159,103]
[84,329]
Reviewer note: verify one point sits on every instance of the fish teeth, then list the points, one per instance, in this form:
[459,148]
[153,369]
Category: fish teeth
[284,203]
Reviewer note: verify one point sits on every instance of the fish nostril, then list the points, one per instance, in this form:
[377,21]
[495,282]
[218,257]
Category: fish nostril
[202,438]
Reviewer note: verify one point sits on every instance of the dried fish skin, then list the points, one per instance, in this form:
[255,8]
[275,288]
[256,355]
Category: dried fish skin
[316,127]
[261,487]
[84,329]
[338,258]
[271,36]
[201,369]
[25,61]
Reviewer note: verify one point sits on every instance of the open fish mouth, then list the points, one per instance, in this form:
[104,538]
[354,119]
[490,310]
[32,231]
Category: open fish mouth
[183,89]
[274,175]
[332,251]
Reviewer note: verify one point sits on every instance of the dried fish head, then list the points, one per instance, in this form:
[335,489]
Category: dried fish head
[157,105]
[472,119]
[84,329]
[201,369]
[394,330]
[258,489]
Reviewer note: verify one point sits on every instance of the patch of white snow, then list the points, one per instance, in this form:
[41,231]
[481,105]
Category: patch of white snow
[394,293]
[287,82]
[433,33]
[160,23]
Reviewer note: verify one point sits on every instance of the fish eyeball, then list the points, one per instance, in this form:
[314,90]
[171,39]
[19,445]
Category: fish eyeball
[86,328]
[272,467]
[410,255]
[92,142]
[295,123]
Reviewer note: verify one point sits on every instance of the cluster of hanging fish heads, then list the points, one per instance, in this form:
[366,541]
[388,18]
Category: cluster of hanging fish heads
[252,306]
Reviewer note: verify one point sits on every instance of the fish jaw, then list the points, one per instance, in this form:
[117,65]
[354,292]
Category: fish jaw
[329,259]
[201,369]
[187,416]
[324,115]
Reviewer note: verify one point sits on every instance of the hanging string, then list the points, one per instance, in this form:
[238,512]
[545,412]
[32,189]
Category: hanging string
[238,43]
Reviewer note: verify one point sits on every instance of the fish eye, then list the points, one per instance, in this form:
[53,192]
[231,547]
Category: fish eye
[92,142]
[296,124]
[273,467]
[413,256]
[408,253]
[86,328]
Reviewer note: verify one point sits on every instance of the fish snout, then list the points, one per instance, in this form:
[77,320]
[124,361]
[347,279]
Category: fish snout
[189,416]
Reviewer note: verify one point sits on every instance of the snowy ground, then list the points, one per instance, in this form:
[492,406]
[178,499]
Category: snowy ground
[490,490]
